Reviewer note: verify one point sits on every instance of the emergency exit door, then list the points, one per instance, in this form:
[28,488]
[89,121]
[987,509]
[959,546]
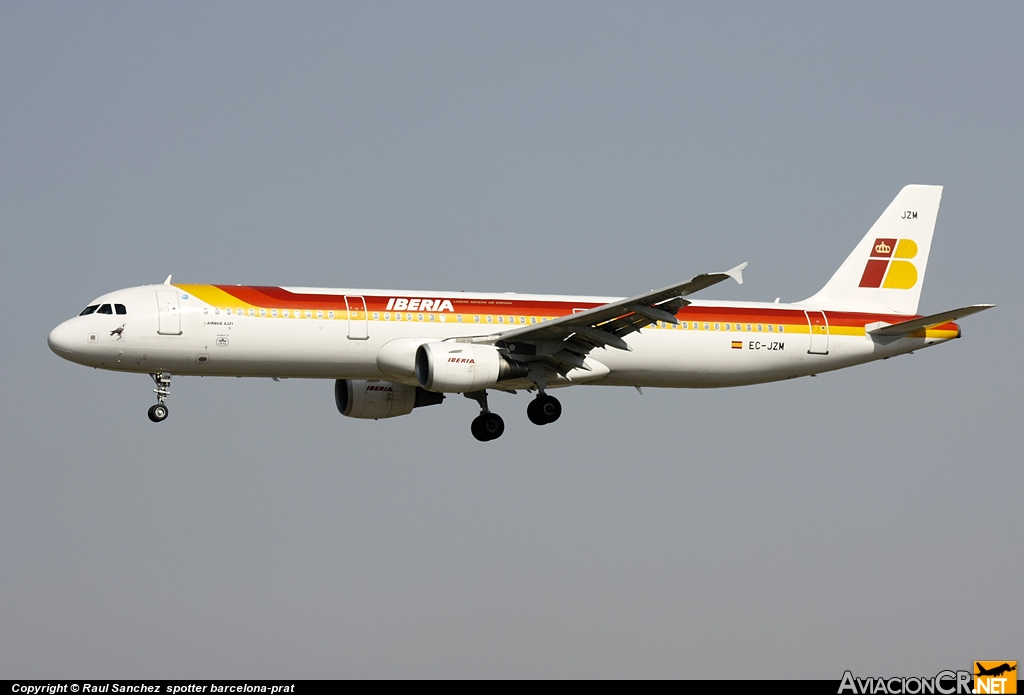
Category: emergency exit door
[818,324]
[357,319]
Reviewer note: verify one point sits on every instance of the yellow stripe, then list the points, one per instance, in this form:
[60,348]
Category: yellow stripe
[214,296]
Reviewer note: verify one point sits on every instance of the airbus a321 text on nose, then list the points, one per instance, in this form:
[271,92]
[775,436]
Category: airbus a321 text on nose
[392,351]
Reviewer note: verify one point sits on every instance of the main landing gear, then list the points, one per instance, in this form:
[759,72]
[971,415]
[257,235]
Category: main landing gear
[487,425]
[158,413]
[543,409]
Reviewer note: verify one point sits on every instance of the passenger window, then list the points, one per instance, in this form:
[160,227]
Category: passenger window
[119,308]
[105,309]
[89,309]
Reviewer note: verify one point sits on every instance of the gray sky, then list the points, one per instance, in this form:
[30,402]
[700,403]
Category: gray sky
[868,519]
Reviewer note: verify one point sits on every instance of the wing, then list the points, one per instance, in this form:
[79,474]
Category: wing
[563,343]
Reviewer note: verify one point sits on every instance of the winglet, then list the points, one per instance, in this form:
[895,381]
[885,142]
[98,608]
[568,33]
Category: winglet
[168,280]
[736,273]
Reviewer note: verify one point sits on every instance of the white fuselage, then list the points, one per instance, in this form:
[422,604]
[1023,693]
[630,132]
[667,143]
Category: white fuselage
[222,331]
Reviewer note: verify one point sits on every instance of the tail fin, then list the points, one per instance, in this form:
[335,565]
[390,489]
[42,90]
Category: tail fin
[886,269]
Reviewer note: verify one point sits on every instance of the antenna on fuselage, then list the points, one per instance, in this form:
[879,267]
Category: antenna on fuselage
[168,280]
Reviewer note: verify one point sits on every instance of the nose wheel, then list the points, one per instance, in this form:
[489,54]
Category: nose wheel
[159,412]
[543,410]
[487,425]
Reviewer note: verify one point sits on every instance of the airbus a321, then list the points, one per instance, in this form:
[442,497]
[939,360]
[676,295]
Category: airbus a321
[390,352]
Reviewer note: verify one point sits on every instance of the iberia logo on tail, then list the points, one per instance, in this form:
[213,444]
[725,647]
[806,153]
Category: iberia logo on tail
[889,266]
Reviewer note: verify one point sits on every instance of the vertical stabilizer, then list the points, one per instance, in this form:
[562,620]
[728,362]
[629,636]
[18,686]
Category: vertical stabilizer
[886,269]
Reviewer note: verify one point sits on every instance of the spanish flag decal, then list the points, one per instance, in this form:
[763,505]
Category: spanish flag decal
[737,345]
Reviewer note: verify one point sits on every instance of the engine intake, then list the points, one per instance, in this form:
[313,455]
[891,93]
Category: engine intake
[463,367]
[375,400]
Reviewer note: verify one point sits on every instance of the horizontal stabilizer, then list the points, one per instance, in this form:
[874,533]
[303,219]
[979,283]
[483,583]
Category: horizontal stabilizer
[907,327]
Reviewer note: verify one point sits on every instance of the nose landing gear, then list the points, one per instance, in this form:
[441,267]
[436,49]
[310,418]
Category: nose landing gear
[159,412]
[544,409]
[487,425]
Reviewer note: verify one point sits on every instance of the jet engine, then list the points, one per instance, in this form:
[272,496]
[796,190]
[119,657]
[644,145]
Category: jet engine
[374,400]
[460,367]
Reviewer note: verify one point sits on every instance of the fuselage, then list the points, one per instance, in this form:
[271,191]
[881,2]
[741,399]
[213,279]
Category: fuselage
[232,330]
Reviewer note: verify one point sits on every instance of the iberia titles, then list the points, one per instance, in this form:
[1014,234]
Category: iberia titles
[403,304]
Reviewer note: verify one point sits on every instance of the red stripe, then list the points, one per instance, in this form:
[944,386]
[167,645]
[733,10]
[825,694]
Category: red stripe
[277,297]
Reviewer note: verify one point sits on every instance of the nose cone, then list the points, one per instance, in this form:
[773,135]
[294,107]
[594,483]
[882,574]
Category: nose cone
[62,339]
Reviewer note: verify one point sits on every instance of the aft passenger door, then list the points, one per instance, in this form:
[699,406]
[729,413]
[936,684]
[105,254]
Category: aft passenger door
[818,324]
[168,313]
[357,319]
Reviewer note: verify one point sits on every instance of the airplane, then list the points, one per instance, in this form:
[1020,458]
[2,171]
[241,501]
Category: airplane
[390,352]
[995,671]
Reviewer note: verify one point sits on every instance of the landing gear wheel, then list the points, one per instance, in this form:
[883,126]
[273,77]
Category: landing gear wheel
[487,426]
[158,413]
[544,410]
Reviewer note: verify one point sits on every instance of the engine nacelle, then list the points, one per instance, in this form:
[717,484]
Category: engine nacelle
[398,357]
[374,400]
[460,367]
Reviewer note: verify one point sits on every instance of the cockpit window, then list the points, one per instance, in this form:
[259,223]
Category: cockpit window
[105,309]
[89,309]
[119,308]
